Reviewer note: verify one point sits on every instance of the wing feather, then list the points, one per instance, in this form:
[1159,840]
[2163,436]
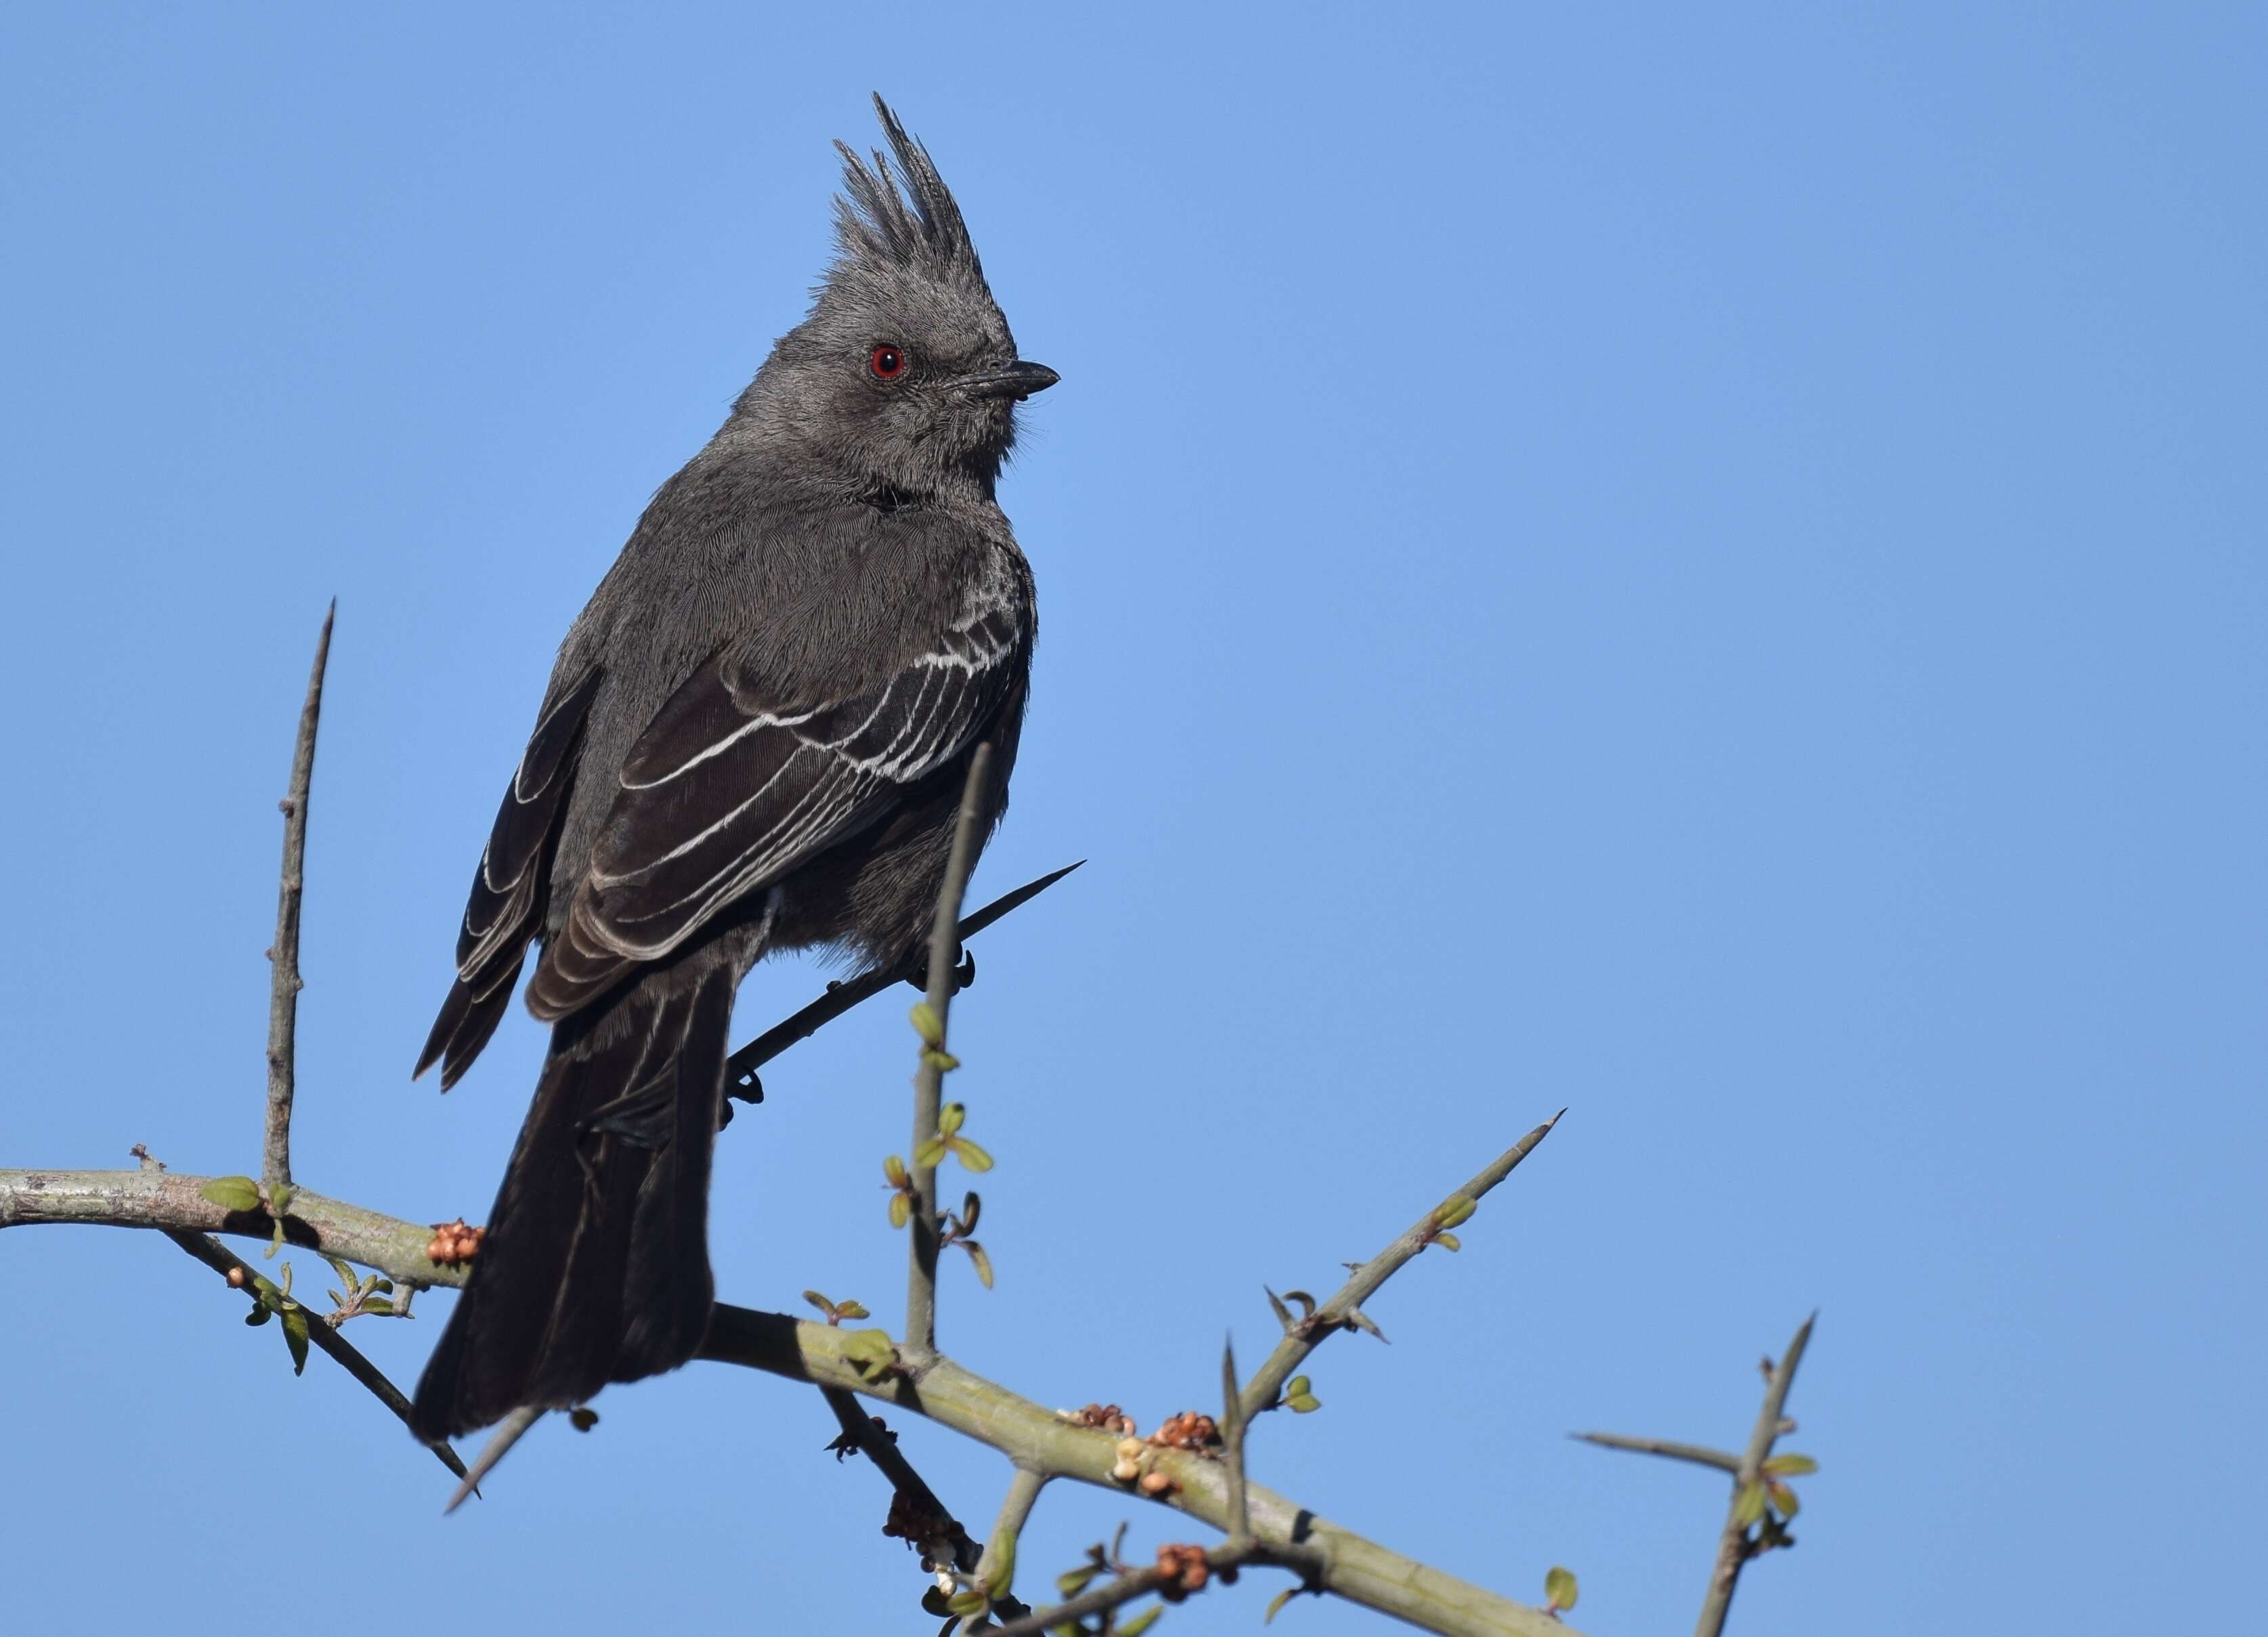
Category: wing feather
[728,790]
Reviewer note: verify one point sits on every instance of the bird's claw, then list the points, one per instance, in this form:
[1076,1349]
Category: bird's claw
[964,974]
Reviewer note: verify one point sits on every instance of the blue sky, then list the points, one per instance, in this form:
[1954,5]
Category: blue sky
[1704,569]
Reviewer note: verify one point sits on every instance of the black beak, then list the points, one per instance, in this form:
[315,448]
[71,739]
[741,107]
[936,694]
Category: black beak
[1018,380]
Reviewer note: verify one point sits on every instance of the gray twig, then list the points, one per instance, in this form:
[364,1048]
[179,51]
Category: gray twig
[1304,1335]
[928,1078]
[1700,1455]
[283,954]
[1023,1488]
[1733,1546]
[509,1432]
[1232,1439]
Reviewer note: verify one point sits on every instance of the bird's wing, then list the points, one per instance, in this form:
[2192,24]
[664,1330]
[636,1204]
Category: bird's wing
[731,786]
[506,905]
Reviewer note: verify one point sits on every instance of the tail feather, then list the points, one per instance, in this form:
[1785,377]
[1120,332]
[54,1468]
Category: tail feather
[595,1264]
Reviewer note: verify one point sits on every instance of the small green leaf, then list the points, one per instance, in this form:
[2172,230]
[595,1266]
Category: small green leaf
[819,1301]
[894,1169]
[295,1337]
[927,1024]
[1749,1505]
[1790,1466]
[943,1062]
[377,1304]
[260,1315]
[1306,1303]
[1303,1403]
[980,1261]
[337,1300]
[933,1602]
[971,1157]
[1783,1500]
[344,1270]
[232,1194]
[280,1201]
[381,1284]
[1071,1584]
[1275,1605]
[1448,1241]
[1560,1588]
[1454,1210]
[966,1602]
[902,1209]
[930,1153]
[275,1241]
[950,1118]
[1298,1384]
[1141,1622]
[851,1310]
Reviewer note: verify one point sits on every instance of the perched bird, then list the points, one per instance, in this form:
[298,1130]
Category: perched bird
[755,739]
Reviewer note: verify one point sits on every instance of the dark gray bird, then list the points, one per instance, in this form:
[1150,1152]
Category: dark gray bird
[755,739]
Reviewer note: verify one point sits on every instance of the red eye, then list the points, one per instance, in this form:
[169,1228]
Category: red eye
[887,362]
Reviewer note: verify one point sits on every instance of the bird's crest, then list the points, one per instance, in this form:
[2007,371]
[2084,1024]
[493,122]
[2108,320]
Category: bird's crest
[902,215]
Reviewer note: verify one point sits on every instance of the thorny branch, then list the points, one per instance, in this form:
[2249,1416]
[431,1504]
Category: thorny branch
[1348,1564]
[1343,1310]
[1734,1546]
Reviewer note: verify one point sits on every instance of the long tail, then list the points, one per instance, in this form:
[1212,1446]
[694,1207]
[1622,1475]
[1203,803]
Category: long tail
[595,1264]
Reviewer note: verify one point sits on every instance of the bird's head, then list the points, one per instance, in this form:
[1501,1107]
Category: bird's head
[903,379]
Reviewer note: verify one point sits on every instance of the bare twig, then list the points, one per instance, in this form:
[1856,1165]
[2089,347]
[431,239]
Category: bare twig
[509,1432]
[1332,1559]
[223,1261]
[1023,1488]
[883,1451]
[928,1078]
[740,1068]
[1733,1546]
[1232,1439]
[1700,1455]
[283,954]
[1302,1337]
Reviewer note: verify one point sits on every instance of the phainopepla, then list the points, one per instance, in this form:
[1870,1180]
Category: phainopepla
[755,739]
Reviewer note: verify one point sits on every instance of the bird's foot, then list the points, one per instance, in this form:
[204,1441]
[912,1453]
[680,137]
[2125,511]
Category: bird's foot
[917,970]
